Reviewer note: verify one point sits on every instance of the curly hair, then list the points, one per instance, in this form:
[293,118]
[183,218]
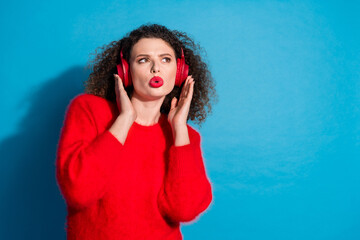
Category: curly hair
[101,80]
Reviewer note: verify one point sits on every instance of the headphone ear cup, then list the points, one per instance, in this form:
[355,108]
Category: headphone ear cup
[178,73]
[120,72]
[182,70]
[123,71]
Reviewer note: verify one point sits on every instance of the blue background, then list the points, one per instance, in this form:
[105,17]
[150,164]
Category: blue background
[282,147]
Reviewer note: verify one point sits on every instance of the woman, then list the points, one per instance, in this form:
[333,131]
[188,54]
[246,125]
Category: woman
[128,165]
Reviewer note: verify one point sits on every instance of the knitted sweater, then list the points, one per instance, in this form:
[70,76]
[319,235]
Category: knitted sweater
[141,189]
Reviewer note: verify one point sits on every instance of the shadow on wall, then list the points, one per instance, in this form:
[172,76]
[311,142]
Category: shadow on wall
[31,204]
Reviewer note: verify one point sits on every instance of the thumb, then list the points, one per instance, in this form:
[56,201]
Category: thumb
[173,103]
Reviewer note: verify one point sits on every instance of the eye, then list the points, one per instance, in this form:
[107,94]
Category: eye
[166,59]
[142,60]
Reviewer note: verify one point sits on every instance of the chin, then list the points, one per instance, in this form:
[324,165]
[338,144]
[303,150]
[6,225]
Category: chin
[150,96]
[161,91]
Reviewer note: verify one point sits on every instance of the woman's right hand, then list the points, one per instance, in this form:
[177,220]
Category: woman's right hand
[122,99]
[127,116]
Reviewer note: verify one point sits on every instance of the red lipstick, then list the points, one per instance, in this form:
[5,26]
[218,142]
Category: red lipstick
[156,82]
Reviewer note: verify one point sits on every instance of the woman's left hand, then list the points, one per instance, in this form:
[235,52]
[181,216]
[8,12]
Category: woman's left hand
[180,109]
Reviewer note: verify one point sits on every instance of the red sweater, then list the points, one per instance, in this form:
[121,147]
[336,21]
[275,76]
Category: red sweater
[141,189]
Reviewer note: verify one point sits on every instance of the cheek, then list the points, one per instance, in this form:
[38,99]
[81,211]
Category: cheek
[137,75]
[135,71]
[172,73]
[171,78]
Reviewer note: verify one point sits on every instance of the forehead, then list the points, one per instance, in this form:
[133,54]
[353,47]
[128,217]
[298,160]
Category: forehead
[151,45]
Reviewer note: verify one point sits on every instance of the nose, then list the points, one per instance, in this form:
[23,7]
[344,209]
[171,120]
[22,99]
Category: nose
[155,67]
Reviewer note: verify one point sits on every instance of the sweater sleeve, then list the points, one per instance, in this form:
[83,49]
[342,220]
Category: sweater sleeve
[186,190]
[85,158]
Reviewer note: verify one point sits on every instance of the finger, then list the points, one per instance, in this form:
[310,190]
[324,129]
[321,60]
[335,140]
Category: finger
[117,90]
[191,90]
[188,86]
[182,94]
[185,87]
[119,82]
[173,103]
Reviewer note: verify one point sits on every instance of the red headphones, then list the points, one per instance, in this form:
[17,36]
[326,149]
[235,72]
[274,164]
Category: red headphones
[181,72]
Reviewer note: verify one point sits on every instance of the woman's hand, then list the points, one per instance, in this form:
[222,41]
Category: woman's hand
[127,116]
[180,109]
[123,102]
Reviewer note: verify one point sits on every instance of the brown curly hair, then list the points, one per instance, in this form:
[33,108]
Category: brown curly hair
[101,80]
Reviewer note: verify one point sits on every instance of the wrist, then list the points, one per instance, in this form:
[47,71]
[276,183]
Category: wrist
[178,129]
[125,121]
[179,126]
[181,135]
[127,118]
[120,127]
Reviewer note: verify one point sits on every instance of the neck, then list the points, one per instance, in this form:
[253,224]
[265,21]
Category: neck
[148,112]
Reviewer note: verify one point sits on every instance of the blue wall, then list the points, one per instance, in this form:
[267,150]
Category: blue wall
[282,147]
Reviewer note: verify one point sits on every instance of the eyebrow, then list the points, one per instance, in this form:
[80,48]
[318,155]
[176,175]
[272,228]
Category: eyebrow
[160,55]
